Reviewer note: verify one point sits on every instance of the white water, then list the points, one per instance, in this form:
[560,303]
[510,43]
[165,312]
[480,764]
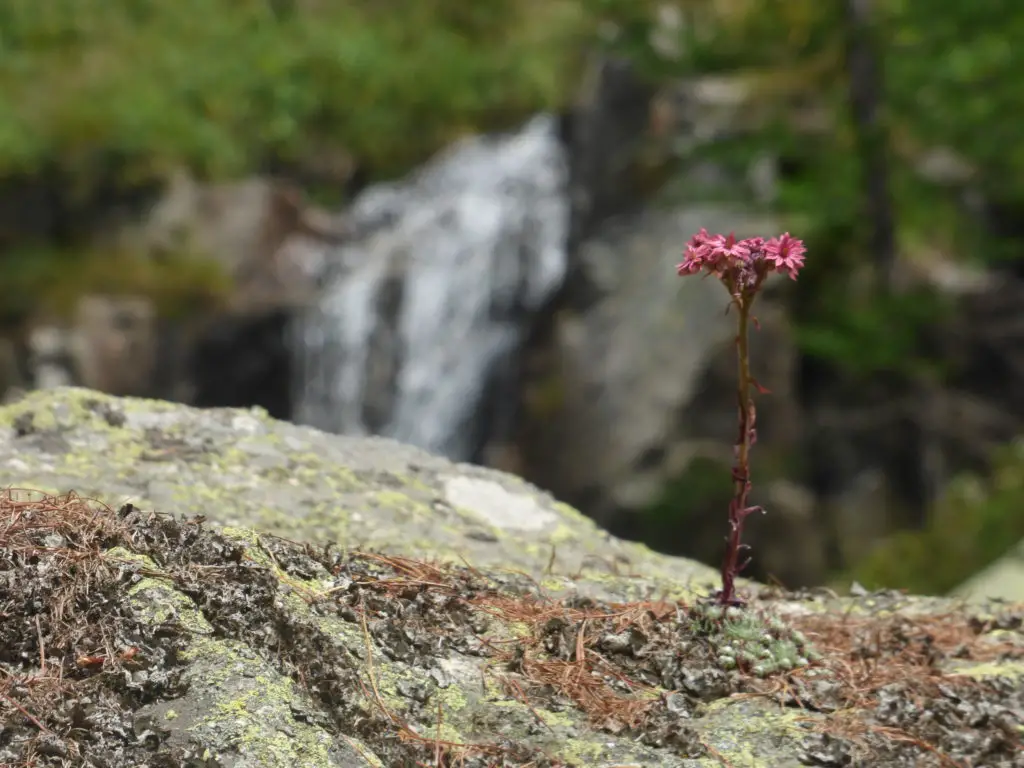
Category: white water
[421,309]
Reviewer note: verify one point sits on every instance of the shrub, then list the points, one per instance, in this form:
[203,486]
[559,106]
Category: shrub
[223,85]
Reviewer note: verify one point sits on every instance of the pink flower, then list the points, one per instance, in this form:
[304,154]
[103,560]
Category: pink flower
[689,265]
[701,239]
[741,264]
[785,254]
[755,246]
[733,252]
[718,254]
[697,255]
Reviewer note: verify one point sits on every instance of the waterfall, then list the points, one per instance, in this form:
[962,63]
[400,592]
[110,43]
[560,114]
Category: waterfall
[430,300]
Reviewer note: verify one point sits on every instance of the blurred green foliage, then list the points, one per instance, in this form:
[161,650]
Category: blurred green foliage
[976,522]
[950,82]
[95,93]
[49,282]
[222,85]
[861,332]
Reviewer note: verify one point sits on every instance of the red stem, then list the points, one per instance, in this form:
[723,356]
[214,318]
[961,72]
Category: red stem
[738,509]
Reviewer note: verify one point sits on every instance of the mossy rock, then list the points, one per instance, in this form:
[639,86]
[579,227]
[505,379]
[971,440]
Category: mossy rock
[243,468]
[222,645]
[415,614]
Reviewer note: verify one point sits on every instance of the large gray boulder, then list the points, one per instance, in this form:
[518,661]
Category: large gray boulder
[242,468]
[421,612]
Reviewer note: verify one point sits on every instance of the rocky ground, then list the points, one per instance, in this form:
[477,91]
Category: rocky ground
[135,638]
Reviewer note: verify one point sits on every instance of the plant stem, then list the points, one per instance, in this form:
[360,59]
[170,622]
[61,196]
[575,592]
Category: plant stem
[738,509]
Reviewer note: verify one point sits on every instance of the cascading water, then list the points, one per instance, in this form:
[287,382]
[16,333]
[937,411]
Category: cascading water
[428,302]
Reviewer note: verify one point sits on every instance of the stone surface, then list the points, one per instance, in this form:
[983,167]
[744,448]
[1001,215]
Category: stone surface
[264,244]
[238,648]
[1003,579]
[263,233]
[241,468]
[114,344]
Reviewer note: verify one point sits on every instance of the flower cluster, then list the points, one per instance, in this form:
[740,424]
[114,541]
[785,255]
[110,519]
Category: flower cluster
[742,264]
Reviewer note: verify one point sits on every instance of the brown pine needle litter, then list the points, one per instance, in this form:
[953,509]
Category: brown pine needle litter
[77,659]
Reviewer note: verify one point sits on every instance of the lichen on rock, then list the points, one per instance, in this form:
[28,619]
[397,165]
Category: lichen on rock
[183,629]
[238,467]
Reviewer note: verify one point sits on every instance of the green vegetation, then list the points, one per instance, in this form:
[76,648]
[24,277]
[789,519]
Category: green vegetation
[699,493]
[222,86]
[977,522]
[752,640]
[95,93]
[50,282]
[225,87]
[949,82]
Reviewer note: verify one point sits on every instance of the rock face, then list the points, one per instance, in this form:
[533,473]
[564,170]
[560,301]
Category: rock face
[266,246]
[241,468]
[134,638]
[257,229]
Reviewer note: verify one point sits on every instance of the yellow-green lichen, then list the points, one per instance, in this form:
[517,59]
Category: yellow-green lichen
[745,731]
[221,464]
[246,536]
[155,599]
[74,408]
[342,633]
[581,752]
[572,514]
[1008,669]
[562,533]
[162,603]
[442,731]
[556,719]
[451,699]
[399,501]
[252,708]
